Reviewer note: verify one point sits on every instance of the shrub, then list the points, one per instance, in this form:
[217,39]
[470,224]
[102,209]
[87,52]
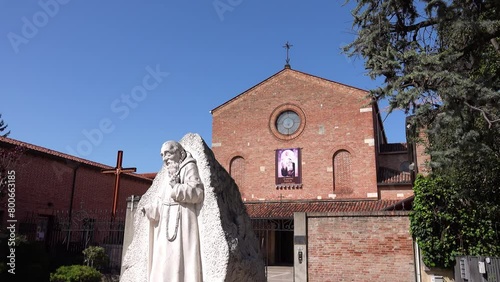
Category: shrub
[96,257]
[76,273]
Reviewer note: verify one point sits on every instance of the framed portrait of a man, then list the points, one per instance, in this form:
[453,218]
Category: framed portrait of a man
[288,166]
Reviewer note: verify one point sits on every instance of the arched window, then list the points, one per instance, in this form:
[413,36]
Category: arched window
[237,170]
[342,171]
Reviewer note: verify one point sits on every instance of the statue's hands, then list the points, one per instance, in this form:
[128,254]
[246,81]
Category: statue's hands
[174,180]
[151,210]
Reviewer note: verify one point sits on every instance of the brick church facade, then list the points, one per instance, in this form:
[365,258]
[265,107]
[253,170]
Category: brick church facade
[344,152]
[300,143]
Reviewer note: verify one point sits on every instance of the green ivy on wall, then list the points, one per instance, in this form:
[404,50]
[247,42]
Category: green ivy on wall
[445,224]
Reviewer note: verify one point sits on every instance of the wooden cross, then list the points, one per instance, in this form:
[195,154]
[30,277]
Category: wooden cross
[287,46]
[117,171]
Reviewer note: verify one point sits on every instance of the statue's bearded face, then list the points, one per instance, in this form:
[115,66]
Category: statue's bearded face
[170,153]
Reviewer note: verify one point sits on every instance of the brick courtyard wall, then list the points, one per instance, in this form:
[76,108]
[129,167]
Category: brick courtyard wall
[360,247]
[336,116]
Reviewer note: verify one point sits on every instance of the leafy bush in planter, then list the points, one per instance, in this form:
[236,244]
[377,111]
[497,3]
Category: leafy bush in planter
[95,257]
[76,273]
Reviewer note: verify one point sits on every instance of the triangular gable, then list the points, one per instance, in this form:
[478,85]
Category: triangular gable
[285,70]
[276,75]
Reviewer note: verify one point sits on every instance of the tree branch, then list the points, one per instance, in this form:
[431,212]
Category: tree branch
[414,27]
[494,42]
[483,112]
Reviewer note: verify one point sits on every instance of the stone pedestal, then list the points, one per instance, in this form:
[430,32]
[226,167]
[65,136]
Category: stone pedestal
[128,235]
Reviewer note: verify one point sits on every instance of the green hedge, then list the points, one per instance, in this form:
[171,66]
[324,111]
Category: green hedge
[76,273]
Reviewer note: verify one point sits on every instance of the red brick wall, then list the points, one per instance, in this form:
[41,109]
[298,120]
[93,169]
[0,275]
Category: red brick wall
[333,122]
[44,185]
[392,160]
[422,157]
[396,191]
[376,247]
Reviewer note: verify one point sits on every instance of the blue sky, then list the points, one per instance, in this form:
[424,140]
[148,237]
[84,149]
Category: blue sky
[89,78]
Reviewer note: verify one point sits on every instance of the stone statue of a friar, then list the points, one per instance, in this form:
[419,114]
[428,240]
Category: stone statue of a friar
[174,241]
[191,224]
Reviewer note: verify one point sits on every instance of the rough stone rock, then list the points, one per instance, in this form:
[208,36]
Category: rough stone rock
[229,247]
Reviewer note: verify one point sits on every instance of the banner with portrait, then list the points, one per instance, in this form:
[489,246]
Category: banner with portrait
[288,167]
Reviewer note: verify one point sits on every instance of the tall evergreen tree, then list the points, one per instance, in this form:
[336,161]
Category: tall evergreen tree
[3,127]
[441,63]
[8,157]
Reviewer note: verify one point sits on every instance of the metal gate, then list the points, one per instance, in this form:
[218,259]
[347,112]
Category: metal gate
[65,235]
[275,239]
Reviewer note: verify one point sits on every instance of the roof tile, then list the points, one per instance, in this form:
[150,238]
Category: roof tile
[286,209]
[58,155]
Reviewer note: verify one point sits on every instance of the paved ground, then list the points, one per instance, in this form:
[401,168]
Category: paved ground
[279,274]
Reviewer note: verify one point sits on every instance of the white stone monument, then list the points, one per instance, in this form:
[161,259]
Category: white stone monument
[228,247]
